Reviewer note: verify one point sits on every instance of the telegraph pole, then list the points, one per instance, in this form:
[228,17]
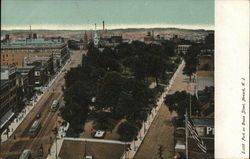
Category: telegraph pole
[186,131]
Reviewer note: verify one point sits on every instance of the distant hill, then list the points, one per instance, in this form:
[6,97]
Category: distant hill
[111,30]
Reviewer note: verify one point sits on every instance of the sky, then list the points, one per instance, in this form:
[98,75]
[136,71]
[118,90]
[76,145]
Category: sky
[83,14]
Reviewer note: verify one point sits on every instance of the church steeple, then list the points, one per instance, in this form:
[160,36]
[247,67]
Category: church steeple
[96,38]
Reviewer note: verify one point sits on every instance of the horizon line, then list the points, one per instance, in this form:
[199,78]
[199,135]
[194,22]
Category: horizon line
[110,27]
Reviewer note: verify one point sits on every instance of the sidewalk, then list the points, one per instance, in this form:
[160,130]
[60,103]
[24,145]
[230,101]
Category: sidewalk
[57,144]
[18,120]
[146,125]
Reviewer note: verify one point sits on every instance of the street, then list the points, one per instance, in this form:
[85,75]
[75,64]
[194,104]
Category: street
[12,148]
[161,131]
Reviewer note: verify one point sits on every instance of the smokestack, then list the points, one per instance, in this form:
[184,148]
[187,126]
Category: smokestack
[103,26]
[95,26]
[30,34]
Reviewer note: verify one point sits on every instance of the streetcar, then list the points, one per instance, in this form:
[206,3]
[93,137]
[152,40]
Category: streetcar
[54,105]
[34,129]
[26,154]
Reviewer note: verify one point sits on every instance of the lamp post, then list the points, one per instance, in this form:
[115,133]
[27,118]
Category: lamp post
[55,132]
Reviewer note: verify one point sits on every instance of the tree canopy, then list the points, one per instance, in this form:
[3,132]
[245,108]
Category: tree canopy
[118,79]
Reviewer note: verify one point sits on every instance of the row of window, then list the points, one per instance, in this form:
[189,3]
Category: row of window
[7,63]
[30,51]
[6,55]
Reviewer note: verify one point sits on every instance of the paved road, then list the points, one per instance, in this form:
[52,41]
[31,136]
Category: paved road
[12,148]
[161,130]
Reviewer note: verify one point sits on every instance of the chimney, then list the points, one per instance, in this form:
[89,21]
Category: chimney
[30,34]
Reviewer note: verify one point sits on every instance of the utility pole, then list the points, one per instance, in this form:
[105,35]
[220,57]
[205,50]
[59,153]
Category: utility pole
[85,148]
[186,132]
[56,140]
[190,105]
[56,147]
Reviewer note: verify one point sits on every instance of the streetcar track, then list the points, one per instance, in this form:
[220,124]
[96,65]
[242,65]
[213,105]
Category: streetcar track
[48,121]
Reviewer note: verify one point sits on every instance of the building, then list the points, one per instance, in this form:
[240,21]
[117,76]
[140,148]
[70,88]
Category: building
[43,66]
[14,52]
[176,39]
[205,63]
[182,49]
[204,75]
[52,63]
[110,41]
[203,79]
[209,40]
[8,95]
[151,39]
[205,129]
[25,80]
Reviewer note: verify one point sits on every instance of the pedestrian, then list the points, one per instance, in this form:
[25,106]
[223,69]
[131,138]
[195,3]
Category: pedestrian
[49,151]
[14,137]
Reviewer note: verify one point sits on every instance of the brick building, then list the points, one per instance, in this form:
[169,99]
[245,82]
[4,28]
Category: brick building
[8,98]
[14,52]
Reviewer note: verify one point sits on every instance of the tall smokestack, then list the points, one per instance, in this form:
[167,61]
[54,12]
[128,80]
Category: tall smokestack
[30,34]
[95,26]
[103,26]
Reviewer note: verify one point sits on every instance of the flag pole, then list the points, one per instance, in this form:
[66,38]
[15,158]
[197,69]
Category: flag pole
[186,131]
[190,109]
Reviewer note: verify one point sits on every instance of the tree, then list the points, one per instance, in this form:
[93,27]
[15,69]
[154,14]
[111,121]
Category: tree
[135,100]
[77,98]
[127,131]
[190,68]
[169,48]
[179,101]
[191,60]
[109,91]
[158,67]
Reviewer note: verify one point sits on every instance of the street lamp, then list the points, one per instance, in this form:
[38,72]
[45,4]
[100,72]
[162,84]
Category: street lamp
[55,132]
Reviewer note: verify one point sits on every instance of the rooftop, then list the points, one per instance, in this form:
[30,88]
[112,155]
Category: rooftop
[75,149]
[30,43]
[205,74]
[203,121]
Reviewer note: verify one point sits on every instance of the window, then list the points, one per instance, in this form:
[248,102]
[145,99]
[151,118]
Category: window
[37,73]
